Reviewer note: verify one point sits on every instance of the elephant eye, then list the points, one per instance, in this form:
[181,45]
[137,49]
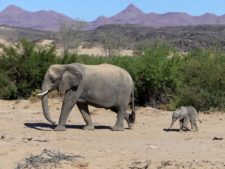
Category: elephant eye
[51,79]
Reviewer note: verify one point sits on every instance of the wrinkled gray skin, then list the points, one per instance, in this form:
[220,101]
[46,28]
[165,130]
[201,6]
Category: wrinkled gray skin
[104,85]
[186,114]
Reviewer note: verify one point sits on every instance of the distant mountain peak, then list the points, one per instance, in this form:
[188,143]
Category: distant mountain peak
[132,7]
[15,16]
[208,14]
[132,10]
[13,9]
[41,20]
[101,17]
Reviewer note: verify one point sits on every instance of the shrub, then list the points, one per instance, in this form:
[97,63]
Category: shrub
[22,68]
[158,75]
[7,88]
[204,80]
[163,76]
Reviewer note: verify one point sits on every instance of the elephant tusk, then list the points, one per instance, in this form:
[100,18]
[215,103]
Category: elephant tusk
[43,93]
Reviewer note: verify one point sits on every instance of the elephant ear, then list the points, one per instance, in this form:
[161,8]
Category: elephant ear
[70,78]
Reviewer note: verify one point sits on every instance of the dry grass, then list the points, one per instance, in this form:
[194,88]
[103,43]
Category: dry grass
[47,159]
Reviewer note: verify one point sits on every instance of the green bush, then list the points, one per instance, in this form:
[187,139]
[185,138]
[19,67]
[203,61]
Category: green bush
[163,77]
[204,80]
[158,75]
[7,88]
[22,68]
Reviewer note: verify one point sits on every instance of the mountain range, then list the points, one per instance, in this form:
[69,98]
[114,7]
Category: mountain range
[51,20]
[40,20]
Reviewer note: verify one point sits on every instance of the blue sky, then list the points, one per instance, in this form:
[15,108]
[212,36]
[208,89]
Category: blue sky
[90,9]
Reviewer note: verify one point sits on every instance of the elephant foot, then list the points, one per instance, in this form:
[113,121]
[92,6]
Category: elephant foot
[117,128]
[89,127]
[60,128]
[130,125]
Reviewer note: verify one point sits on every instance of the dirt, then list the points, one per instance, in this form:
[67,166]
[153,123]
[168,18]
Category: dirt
[95,51]
[25,132]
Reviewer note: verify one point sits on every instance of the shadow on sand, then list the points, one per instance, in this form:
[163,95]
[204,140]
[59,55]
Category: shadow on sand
[49,127]
[173,130]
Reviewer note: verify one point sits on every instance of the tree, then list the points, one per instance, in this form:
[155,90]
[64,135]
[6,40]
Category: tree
[113,43]
[69,35]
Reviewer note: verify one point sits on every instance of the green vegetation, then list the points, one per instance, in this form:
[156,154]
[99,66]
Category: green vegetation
[204,80]
[164,77]
[22,68]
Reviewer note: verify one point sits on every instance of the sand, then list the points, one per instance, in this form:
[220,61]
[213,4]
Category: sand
[24,131]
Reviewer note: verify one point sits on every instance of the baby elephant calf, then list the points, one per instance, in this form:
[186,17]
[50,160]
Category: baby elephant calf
[186,114]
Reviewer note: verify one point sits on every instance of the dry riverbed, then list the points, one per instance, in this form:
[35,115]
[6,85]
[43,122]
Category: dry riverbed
[25,132]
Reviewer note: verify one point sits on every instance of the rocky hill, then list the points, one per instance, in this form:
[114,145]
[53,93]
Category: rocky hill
[15,34]
[183,38]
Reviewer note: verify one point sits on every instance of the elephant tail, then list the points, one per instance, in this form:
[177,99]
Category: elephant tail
[199,119]
[132,116]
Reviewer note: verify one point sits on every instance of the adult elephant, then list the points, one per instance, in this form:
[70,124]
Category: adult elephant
[104,85]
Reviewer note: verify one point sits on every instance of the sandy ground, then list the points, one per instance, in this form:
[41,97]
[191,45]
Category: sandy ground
[99,51]
[24,131]
[95,51]
[92,51]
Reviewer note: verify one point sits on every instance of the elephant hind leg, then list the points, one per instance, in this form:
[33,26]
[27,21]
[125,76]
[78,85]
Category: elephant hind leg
[185,123]
[83,107]
[126,117]
[194,123]
[119,126]
[196,126]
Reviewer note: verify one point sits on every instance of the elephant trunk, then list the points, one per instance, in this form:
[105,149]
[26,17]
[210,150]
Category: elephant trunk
[44,101]
[172,124]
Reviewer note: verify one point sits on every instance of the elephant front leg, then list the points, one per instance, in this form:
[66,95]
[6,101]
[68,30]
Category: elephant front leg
[69,101]
[83,107]
[172,123]
[119,126]
[185,124]
[181,121]
[192,125]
